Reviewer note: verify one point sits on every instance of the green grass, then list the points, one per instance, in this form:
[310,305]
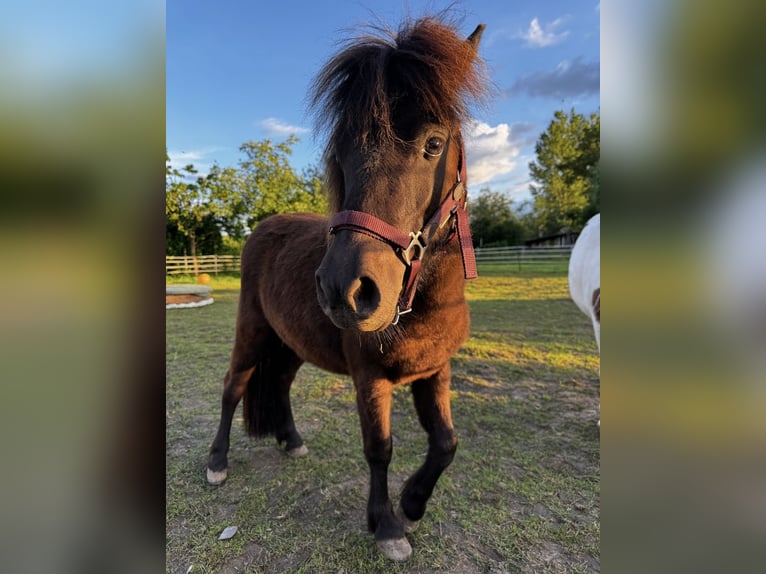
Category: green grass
[218,281]
[527,268]
[521,496]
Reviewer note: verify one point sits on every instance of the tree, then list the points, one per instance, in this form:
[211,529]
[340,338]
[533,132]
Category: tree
[312,197]
[594,197]
[184,205]
[208,238]
[216,210]
[493,220]
[567,155]
[222,188]
[269,184]
[198,208]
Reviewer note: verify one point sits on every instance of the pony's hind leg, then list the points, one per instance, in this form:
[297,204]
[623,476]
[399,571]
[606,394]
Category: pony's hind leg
[267,399]
[431,398]
[262,370]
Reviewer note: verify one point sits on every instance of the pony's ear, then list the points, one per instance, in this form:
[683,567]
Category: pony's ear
[475,36]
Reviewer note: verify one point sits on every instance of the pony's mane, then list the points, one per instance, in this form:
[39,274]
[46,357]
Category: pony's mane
[355,95]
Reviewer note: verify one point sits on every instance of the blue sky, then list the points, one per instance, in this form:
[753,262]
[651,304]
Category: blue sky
[240,70]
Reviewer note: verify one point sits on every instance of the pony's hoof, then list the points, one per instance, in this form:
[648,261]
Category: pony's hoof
[397,549]
[410,526]
[298,451]
[216,477]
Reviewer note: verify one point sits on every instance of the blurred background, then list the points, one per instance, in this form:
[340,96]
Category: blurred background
[82,156]
[684,286]
[82,110]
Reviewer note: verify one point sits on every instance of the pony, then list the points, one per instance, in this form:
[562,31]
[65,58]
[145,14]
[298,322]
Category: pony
[585,275]
[377,291]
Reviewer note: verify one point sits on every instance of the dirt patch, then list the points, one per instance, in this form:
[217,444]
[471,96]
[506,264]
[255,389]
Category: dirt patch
[184,299]
[250,555]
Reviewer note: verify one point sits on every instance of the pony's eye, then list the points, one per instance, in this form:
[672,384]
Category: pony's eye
[434,146]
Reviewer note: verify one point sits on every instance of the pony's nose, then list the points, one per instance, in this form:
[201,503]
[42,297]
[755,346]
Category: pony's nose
[363,297]
[360,297]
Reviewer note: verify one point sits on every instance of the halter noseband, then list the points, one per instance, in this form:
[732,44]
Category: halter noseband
[411,246]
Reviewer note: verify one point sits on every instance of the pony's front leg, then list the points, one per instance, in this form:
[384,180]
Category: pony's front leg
[374,405]
[431,398]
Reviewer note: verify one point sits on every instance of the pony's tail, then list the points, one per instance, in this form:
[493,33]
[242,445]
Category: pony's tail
[261,402]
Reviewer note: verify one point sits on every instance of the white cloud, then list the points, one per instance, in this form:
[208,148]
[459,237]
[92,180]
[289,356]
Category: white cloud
[181,158]
[490,151]
[277,127]
[199,157]
[542,36]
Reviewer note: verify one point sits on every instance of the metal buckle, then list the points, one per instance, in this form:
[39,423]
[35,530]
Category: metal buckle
[416,243]
[399,313]
[458,190]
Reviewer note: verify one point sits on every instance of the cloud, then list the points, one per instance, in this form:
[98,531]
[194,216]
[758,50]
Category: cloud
[276,127]
[538,36]
[198,157]
[186,157]
[491,151]
[570,78]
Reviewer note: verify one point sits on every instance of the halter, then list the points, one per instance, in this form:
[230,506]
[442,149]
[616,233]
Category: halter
[412,246]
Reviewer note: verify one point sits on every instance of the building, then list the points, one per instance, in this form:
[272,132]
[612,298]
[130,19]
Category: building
[564,238]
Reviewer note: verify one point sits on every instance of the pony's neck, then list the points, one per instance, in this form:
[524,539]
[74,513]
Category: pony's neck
[443,276]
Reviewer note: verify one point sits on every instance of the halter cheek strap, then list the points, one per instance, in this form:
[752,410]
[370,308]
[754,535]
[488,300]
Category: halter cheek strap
[412,246]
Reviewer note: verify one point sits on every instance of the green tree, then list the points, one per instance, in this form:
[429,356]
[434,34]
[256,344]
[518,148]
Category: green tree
[525,212]
[222,190]
[199,207]
[269,184]
[493,220]
[215,211]
[594,197]
[184,205]
[567,155]
[208,238]
[313,196]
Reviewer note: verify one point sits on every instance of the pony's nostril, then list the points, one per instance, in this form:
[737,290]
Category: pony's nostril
[365,297]
[360,299]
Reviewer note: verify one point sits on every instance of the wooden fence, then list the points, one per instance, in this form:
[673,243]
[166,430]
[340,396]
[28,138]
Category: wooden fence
[525,257]
[520,257]
[184,265]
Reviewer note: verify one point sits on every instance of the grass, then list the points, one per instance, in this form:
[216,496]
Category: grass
[521,496]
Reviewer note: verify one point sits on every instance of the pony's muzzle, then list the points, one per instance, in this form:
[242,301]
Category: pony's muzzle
[359,281]
[348,304]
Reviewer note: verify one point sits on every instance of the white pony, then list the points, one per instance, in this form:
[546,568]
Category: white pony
[585,273]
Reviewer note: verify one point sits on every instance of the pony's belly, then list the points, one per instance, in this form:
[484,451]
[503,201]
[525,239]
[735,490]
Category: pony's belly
[331,362]
[312,336]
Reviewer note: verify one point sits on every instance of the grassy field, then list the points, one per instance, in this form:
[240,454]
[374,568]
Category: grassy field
[521,496]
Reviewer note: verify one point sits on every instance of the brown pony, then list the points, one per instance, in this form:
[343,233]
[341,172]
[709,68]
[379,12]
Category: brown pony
[358,294]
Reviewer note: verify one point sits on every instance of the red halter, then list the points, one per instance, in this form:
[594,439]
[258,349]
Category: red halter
[411,246]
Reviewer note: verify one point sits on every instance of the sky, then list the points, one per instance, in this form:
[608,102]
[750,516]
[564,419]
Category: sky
[240,70]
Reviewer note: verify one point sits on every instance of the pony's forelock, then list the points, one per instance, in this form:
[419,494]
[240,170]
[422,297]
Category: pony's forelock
[354,97]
